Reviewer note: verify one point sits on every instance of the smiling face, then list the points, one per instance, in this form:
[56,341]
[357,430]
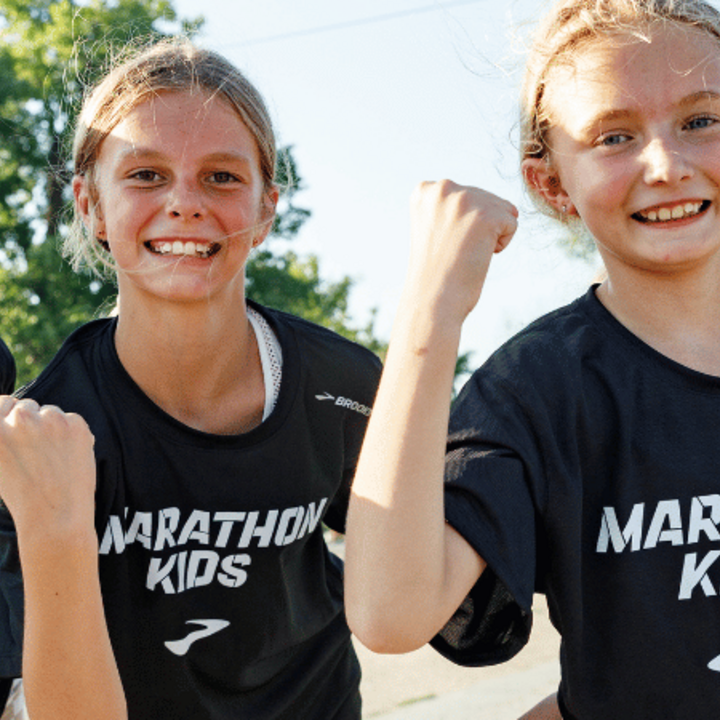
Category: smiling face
[180,199]
[635,147]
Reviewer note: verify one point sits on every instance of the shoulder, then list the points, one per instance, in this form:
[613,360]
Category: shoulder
[68,379]
[319,348]
[543,368]
[7,370]
[556,340]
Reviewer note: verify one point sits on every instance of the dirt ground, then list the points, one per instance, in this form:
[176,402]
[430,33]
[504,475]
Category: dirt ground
[419,680]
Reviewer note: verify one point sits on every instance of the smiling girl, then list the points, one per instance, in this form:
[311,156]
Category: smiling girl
[583,457]
[217,452]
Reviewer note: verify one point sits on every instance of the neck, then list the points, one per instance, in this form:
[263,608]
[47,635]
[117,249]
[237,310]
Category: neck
[197,361]
[677,314]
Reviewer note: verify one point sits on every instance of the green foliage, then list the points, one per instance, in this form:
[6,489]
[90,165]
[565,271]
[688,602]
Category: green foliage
[50,51]
[293,284]
[41,306]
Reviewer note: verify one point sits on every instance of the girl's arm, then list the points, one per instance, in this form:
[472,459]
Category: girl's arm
[47,480]
[406,570]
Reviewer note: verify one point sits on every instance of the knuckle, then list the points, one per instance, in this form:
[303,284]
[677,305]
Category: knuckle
[25,409]
[80,426]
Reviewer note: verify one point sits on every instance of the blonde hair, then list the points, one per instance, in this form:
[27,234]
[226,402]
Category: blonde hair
[571,24]
[166,66]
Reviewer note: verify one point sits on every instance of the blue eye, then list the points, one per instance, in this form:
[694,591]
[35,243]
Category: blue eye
[701,122]
[613,139]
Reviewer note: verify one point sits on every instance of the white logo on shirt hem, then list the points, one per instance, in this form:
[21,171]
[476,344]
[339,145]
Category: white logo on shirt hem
[181,647]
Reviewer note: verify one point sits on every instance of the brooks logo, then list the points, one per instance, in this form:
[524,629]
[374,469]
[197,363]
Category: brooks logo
[346,403]
[210,627]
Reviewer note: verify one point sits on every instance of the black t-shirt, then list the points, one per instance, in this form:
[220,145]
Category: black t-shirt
[7,385]
[7,370]
[584,465]
[221,597]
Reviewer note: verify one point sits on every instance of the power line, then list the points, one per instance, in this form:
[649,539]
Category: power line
[352,23]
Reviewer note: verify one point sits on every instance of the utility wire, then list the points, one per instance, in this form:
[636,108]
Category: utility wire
[351,23]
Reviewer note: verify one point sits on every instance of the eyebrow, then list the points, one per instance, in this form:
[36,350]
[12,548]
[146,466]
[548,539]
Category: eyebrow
[699,97]
[135,152]
[229,157]
[622,114]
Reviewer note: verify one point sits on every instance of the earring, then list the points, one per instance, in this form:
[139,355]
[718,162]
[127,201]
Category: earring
[564,209]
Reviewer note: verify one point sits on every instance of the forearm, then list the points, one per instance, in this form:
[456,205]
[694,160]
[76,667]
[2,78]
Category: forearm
[403,578]
[48,480]
[406,570]
[69,669]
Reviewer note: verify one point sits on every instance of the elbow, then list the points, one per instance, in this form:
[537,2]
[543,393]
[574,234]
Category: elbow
[383,634]
[383,644]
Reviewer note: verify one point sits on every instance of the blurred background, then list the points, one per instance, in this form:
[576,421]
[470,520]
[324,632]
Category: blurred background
[370,98]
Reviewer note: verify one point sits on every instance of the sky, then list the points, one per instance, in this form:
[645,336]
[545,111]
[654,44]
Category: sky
[377,96]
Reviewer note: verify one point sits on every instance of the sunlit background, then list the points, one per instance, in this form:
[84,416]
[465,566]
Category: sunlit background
[379,95]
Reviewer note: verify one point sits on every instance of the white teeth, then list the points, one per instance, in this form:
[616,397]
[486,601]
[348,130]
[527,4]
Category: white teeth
[675,213]
[180,248]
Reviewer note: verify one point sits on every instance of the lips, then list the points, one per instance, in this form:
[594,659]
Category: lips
[183,248]
[667,213]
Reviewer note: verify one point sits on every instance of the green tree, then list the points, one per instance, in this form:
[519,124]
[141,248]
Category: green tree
[50,50]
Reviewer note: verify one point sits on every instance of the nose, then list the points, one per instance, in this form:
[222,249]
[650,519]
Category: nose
[665,162]
[185,201]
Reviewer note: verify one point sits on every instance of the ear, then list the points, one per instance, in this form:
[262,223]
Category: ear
[88,210]
[543,178]
[267,215]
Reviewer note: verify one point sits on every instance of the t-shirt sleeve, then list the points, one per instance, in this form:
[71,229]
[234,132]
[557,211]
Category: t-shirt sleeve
[493,487]
[7,370]
[367,378]
[11,593]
